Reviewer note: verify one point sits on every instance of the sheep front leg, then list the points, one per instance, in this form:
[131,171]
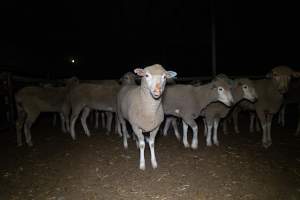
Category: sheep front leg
[263,121]
[139,133]
[235,116]
[215,137]
[205,126]
[185,130]
[209,125]
[151,146]
[96,126]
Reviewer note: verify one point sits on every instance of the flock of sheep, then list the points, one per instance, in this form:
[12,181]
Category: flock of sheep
[146,105]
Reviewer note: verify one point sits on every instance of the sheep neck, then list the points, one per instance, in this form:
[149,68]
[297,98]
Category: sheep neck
[203,95]
[151,105]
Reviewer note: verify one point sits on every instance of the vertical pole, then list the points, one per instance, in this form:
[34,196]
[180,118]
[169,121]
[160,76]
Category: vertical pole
[213,40]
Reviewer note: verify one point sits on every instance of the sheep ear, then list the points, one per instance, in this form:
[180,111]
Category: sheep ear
[139,71]
[171,74]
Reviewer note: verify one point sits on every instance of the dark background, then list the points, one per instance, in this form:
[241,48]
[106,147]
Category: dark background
[109,39]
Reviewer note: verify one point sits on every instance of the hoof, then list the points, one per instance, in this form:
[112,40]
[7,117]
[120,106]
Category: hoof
[142,167]
[30,144]
[195,146]
[154,165]
[186,145]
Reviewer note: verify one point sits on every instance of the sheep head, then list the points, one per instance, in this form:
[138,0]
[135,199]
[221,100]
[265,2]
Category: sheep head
[282,75]
[154,78]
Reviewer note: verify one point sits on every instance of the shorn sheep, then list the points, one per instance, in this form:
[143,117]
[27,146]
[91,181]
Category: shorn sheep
[187,102]
[32,100]
[141,106]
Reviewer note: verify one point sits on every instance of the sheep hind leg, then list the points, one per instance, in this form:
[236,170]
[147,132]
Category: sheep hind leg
[109,116]
[167,126]
[215,136]
[84,115]
[27,126]
[19,126]
[269,127]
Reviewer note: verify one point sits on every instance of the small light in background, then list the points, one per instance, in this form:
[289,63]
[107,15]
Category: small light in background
[72,61]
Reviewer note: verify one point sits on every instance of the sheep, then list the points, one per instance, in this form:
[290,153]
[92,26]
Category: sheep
[291,97]
[242,89]
[270,93]
[98,95]
[141,106]
[32,100]
[187,102]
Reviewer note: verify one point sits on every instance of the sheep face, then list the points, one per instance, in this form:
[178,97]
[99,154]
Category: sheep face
[128,78]
[223,91]
[245,86]
[282,75]
[154,78]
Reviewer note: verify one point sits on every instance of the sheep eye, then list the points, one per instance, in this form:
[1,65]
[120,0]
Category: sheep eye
[220,89]
[147,75]
[245,87]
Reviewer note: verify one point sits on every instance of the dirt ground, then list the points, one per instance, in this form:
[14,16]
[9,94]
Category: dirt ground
[98,167]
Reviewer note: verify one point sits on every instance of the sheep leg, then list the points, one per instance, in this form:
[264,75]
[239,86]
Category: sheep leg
[66,113]
[269,126]
[185,130]
[27,126]
[298,124]
[63,122]
[251,127]
[192,123]
[298,128]
[215,137]
[54,120]
[74,116]
[262,118]
[19,126]
[167,125]
[84,115]
[205,126]
[109,116]
[151,145]
[139,133]
[96,120]
[175,127]
[209,125]
[281,115]
[124,130]
[225,126]
[103,119]
[257,124]
[235,116]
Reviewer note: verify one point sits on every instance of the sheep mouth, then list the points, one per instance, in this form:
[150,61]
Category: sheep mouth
[156,95]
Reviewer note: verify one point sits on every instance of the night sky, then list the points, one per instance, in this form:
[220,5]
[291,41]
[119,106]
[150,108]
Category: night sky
[109,39]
